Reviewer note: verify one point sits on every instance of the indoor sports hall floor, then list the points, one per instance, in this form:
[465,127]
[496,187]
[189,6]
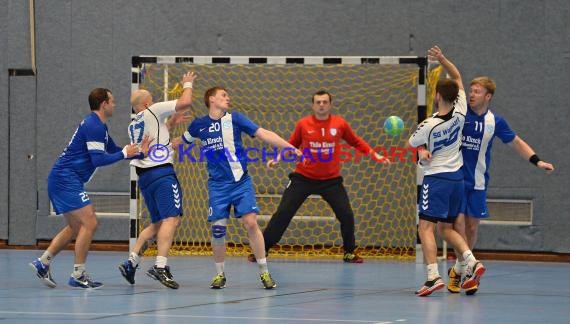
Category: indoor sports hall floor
[326,291]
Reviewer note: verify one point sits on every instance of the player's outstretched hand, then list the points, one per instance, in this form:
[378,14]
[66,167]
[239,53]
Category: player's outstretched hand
[382,159]
[286,153]
[181,117]
[435,54]
[545,166]
[188,77]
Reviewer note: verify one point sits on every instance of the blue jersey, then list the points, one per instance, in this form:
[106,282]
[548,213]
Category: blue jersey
[90,140]
[222,144]
[478,134]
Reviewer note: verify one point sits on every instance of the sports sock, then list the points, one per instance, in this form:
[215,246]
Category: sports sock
[220,267]
[134,258]
[262,263]
[469,258]
[46,257]
[463,266]
[78,270]
[160,261]
[432,271]
[457,267]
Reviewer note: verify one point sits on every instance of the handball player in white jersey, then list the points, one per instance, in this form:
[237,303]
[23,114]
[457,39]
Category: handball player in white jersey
[442,188]
[157,179]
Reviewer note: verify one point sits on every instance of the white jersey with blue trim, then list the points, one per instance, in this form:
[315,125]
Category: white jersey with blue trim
[152,122]
[91,136]
[478,135]
[442,137]
[222,144]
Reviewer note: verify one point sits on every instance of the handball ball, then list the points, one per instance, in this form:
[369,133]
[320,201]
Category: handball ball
[394,126]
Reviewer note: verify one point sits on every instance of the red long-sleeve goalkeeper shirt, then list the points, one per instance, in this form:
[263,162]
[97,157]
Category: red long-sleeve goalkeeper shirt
[320,138]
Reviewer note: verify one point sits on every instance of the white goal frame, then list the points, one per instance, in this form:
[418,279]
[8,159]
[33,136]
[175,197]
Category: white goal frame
[139,61]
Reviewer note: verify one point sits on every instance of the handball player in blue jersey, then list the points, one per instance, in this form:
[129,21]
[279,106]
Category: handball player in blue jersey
[442,187]
[90,147]
[229,183]
[157,180]
[481,127]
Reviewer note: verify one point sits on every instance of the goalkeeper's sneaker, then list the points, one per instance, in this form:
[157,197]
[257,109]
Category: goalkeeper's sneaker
[219,281]
[267,281]
[473,275]
[454,283]
[84,282]
[128,271]
[430,286]
[352,258]
[163,275]
[43,272]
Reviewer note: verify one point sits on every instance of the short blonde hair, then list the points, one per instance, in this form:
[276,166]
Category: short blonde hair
[486,83]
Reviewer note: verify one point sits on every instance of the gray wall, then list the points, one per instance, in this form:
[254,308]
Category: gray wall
[523,45]
[4,118]
[17,126]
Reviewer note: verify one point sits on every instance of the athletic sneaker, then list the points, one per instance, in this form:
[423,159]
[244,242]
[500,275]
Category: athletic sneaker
[453,285]
[128,271]
[471,291]
[430,286]
[267,281]
[43,272]
[473,275]
[352,258]
[163,275]
[219,281]
[84,282]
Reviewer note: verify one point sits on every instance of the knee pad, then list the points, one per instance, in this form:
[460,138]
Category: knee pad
[219,232]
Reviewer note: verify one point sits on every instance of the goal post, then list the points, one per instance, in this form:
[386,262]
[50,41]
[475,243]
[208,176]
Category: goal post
[275,92]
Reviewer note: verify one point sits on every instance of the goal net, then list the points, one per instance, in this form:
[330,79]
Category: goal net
[275,92]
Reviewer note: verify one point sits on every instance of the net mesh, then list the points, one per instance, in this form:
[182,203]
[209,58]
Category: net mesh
[276,97]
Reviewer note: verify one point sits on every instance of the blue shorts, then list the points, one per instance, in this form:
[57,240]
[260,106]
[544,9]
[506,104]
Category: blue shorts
[223,196]
[66,192]
[440,197]
[475,203]
[162,193]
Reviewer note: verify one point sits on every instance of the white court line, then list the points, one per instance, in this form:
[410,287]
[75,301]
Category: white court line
[271,318]
[329,320]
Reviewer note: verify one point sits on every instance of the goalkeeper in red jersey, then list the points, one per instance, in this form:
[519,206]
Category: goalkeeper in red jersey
[319,136]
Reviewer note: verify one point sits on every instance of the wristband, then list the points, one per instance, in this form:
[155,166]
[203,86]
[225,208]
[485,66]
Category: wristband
[187,85]
[534,159]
